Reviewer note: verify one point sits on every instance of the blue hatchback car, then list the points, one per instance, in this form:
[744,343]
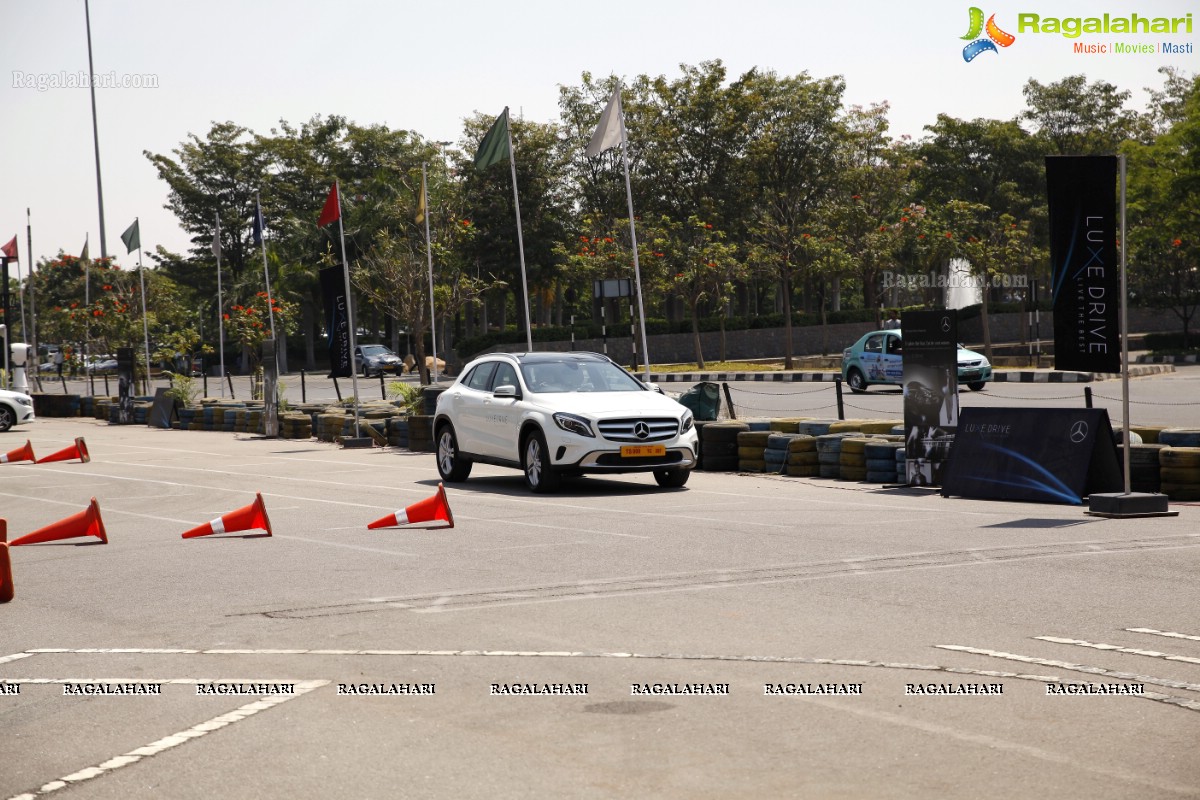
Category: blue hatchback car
[878,358]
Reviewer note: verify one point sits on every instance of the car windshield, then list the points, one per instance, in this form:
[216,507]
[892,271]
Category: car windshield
[375,350]
[571,375]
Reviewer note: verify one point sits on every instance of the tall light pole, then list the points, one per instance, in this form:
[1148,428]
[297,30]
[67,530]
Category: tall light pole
[95,129]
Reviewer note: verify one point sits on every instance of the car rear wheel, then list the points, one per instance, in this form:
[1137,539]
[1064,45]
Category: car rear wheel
[540,477]
[451,464]
[856,380]
[672,478]
[976,386]
[7,418]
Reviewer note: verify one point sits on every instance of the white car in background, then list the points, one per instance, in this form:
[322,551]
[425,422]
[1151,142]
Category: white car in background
[553,415]
[15,408]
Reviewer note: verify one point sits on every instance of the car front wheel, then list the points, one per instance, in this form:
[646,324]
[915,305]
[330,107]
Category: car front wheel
[672,478]
[540,477]
[451,464]
[856,380]
[976,386]
[7,418]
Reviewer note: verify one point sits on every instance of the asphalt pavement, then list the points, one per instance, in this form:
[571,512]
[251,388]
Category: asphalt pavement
[745,636]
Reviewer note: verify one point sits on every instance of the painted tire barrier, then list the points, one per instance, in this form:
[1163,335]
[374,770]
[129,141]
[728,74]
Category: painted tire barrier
[1186,457]
[752,445]
[1180,437]
[1149,433]
[720,445]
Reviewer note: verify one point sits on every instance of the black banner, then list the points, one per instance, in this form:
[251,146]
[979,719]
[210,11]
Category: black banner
[1085,270]
[337,322]
[125,385]
[930,393]
[1043,455]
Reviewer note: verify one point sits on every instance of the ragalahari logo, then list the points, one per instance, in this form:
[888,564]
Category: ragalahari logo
[995,36]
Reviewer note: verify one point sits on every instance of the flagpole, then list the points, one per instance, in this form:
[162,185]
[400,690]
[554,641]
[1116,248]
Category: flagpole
[87,302]
[220,304]
[512,163]
[145,324]
[262,240]
[32,289]
[637,271]
[429,259]
[349,304]
[95,129]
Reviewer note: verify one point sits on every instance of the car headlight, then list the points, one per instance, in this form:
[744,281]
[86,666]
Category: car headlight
[686,424]
[572,423]
[25,401]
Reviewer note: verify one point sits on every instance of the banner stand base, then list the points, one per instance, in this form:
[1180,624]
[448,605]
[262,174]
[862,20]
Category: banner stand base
[1118,505]
[353,442]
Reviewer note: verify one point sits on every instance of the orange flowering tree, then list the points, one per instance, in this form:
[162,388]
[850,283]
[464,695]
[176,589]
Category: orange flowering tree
[700,266]
[249,323]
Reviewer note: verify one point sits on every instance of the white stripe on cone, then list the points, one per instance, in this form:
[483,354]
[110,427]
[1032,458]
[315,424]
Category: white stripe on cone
[217,526]
[402,517]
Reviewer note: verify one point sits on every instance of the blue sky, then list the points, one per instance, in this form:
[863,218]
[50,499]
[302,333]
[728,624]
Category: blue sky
[426,66]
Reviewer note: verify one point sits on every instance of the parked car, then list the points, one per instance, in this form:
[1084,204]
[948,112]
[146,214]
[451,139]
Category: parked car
[375,359]
[15,408]
[877,358]
[102,363]
[553,415]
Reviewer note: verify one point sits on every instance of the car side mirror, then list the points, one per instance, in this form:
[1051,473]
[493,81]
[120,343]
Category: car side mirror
[507,390]
[654,387]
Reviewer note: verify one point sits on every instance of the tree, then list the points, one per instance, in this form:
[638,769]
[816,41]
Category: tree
[793,163]
[1077,118]
[1164,208]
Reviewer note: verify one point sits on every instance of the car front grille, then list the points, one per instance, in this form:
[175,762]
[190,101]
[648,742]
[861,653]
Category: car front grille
[638,431]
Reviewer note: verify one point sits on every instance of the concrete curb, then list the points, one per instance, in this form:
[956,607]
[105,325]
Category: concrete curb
[1190,359]
[1000,376]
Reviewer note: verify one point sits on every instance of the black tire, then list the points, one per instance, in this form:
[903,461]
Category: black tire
[7,418]
[672,478]
[540,477]
[976,386]
[451,464]
[856,380]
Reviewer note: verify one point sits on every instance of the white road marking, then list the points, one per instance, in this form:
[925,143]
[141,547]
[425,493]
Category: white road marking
[346,545]
[1017,748]
[1117,649]
[1067,665]
[174,740]
[1168,634]
[14,657]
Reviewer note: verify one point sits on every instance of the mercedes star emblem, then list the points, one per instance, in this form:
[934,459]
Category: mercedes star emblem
[641,430]
[945,324]
[1079,432]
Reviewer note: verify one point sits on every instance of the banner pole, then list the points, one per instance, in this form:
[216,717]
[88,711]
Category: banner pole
[429,261]
[220,305]
[512,163]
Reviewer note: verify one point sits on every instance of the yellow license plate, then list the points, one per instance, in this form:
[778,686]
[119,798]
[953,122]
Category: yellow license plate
[643,450]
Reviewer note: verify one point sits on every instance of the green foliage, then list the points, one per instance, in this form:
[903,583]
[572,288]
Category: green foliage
[412,400]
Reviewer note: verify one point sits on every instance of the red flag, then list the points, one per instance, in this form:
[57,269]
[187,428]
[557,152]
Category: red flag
[10,249]
[333,208]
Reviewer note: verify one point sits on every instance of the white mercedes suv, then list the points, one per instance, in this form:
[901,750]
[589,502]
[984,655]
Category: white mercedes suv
[553,415]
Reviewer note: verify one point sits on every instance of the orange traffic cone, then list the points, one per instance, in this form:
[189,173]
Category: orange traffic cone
[78,450]
[20,454]
[251,516]
[6,581]
[85,523]
[427,510]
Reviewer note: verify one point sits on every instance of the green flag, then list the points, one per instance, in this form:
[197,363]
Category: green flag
[494,147]
[83,256]
[132,238]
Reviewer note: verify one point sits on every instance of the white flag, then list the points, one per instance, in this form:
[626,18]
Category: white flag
[216,243]
[611,130]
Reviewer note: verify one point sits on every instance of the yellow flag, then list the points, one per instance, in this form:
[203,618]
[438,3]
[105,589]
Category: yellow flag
[421,206]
